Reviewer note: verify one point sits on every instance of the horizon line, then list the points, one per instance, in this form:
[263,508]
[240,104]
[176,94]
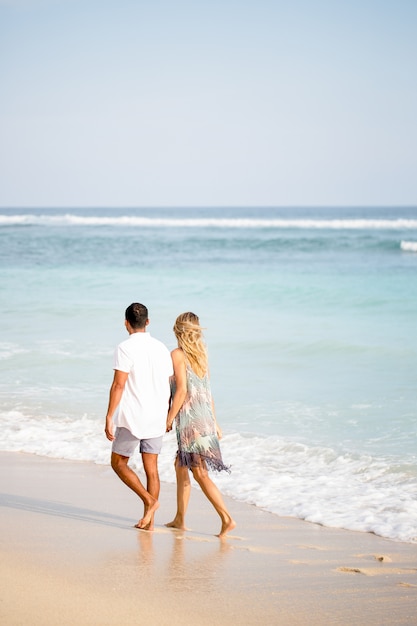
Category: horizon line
[209,207]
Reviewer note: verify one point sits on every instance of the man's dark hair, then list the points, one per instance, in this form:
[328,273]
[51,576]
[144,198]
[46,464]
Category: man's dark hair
[137,315]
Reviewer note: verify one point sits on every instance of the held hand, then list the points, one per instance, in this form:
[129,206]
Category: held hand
[169,426]
[219,431]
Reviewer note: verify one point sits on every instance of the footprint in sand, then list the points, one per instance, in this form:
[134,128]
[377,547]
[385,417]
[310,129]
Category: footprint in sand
[376,571]
[350,570]
[381,558]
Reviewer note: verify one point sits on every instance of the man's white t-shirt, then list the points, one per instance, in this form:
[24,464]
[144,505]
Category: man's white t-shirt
[144,405]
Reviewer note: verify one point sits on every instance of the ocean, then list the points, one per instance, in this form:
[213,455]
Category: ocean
[310,318]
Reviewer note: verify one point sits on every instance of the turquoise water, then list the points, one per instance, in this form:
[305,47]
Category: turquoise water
[310,319]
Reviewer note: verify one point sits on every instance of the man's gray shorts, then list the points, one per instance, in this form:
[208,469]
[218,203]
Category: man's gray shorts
[125,443]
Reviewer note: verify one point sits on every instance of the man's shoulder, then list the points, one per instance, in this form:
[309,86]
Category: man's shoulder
[123,345]
[146,343]
[157,343]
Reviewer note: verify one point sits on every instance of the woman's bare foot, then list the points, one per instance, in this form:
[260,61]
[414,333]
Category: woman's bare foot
[176,524]
[147,519]
[226,527]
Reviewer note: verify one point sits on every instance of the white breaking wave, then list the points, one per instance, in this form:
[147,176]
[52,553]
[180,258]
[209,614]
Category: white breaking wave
[205,222]
[409,246]
[320,485]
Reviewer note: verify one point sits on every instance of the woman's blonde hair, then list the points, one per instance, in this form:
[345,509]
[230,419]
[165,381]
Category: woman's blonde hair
[189,335]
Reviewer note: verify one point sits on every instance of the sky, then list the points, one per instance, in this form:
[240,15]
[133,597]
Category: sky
[127,103]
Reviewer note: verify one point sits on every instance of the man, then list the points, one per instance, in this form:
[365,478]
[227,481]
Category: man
[141,392]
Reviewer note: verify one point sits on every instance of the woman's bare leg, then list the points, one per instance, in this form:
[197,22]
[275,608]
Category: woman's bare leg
[183,496]
[213,494]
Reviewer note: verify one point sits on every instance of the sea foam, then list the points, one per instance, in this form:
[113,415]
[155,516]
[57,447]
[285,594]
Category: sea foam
[207,222]
[317,484]
[409,246]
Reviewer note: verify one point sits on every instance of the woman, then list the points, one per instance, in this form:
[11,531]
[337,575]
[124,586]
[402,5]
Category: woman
[197,431]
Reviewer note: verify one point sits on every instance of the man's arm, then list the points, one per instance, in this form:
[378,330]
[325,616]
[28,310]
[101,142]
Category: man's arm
[116,391]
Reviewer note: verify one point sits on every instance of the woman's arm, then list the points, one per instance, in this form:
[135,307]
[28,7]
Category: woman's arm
[219,432]
[180,374]
[218,429]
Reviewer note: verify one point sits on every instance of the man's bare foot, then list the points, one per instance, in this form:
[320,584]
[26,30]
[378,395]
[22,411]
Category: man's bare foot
[176,524]
[150,526]
[147,519]
[226,527]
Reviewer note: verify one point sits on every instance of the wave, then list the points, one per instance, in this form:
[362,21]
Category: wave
[207,222]
[318,484]
[409,246]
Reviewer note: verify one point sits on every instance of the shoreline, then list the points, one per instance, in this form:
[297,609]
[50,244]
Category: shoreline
[70,555]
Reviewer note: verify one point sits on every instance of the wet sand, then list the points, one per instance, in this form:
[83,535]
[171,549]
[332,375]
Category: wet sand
[70,555]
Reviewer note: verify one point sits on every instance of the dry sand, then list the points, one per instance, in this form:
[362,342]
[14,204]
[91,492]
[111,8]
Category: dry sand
[70,555]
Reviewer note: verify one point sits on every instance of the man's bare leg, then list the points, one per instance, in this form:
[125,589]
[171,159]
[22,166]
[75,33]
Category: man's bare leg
[183,496]
[120,465]
[153,485]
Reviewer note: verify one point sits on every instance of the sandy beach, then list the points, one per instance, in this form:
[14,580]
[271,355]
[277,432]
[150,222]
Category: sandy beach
[70,555]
